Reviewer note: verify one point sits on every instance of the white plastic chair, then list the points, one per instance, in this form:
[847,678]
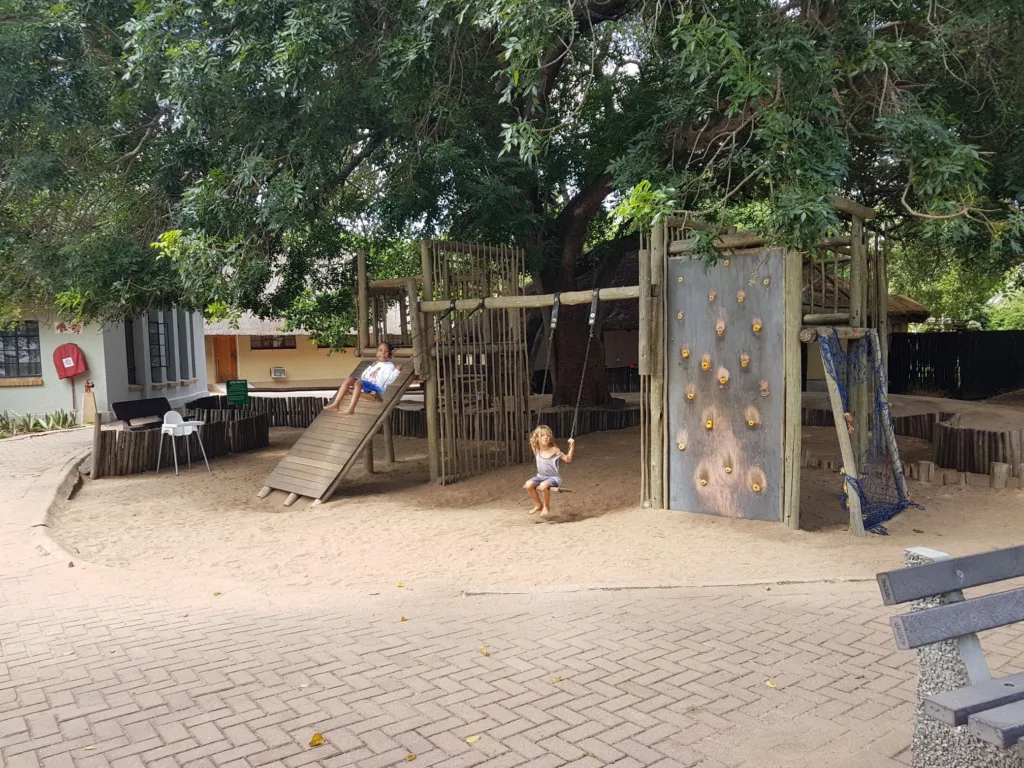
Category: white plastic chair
[175,426]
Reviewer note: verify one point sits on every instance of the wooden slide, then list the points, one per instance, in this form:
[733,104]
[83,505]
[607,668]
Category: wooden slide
[318,461]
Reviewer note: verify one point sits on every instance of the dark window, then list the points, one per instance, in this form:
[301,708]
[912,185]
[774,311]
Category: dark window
[157,350]
[183,344]
[192,340]
[271,342]
[129,351]
[19,351]
[169,328]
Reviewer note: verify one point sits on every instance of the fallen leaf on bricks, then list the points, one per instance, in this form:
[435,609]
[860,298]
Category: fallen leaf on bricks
[216,594]
[317,740]
[484,651]
[472,739]
[770,683]
[556,679]
[400,585]
[410,758]
[404,619]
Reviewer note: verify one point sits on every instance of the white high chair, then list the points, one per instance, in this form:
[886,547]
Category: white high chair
[175,426]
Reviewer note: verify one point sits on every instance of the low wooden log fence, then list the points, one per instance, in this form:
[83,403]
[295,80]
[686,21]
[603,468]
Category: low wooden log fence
[964,449]
[281,411]
[130,452]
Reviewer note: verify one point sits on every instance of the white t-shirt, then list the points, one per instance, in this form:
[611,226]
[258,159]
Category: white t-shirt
[381,373]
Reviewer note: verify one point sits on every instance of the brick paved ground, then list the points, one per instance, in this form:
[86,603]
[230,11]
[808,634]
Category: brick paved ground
[95,671]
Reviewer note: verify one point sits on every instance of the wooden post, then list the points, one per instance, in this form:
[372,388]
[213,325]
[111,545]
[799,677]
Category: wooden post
[403,322]
[890,434]
[368,457]
[644,367]
[429,366]
[882,256]
[1000,472]
[389,441]
[363,313]
[845,447]
[97,447]
[793,314]
[657,362]
[858,390]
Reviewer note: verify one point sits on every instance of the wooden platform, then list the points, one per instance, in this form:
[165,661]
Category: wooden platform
[331,444]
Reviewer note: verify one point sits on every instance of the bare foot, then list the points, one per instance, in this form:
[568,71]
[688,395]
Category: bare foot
[330,407]
[544,512]
[345,413]
[536,509]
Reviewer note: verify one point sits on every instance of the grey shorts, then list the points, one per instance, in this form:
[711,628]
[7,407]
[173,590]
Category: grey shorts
[554,482]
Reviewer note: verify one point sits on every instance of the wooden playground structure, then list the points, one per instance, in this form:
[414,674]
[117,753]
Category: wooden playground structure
[719,364]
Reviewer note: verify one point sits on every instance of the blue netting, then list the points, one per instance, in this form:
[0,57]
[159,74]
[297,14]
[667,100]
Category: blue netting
[880,485]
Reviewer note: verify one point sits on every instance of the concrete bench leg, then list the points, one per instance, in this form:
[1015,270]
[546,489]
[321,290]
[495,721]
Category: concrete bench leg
[945,667]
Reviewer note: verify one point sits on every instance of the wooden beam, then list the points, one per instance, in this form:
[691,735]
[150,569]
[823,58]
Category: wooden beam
[403,353]
[890,433]
[644,366]
[845,447]
[363,307]
[657,347]
[809,334]
[748,240]
[389,441]
[447,246]
[532,302]
[793,312]
[429,365]
[858,395]
[828,318]
[846,205]
[96,472]
[368,456]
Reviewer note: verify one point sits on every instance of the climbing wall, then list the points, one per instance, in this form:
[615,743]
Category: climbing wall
[725,385]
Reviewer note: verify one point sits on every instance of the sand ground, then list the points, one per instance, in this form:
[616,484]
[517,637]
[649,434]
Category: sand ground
[394,527]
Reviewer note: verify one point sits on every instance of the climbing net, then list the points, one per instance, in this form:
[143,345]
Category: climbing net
[879,482]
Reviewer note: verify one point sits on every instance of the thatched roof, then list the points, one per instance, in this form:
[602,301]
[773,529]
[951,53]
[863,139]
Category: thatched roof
[249,325]
[901,309]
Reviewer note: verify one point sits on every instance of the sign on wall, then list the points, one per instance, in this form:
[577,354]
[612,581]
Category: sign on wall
[238,392]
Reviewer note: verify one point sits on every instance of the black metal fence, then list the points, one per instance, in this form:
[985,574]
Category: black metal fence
[967,365]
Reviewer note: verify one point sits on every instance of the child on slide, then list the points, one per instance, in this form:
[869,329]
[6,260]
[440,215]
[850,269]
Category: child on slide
[375,379]
[542,442]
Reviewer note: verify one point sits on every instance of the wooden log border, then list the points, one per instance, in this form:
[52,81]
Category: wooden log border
[964,449]
[131,452]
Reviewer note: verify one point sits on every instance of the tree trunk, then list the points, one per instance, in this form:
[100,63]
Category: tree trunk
[570,353]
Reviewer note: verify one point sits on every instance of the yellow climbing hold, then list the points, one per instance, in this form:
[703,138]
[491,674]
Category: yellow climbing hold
[757,327]
[682,446]
[709,424]
[756,487]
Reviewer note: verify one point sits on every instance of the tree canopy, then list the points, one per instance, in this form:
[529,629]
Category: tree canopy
[259,142]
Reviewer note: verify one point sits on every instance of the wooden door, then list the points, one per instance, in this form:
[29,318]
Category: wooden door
[225,357]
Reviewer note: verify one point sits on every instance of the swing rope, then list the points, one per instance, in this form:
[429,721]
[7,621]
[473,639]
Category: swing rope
[551,345]
[586,360]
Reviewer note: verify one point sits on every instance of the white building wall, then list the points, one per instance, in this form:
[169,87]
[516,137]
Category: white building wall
[54,394]
[106,356]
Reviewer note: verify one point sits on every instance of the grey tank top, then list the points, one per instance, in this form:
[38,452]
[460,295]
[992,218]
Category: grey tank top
[548,467]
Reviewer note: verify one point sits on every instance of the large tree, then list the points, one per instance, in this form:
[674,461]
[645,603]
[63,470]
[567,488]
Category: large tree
[289,123]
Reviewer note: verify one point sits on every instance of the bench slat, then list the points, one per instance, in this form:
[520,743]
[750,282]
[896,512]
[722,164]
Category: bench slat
[920,581]
[955,707]
[946,622]
[1001,726]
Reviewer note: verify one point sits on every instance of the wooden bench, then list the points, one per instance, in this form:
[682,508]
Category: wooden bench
[992,709]
[130,411]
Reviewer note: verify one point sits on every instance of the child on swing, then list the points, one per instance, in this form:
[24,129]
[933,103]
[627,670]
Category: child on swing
[542,442]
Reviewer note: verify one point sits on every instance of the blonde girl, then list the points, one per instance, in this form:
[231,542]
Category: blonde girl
[542,442]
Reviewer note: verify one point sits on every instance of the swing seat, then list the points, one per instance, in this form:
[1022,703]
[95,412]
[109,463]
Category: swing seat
[560,490]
